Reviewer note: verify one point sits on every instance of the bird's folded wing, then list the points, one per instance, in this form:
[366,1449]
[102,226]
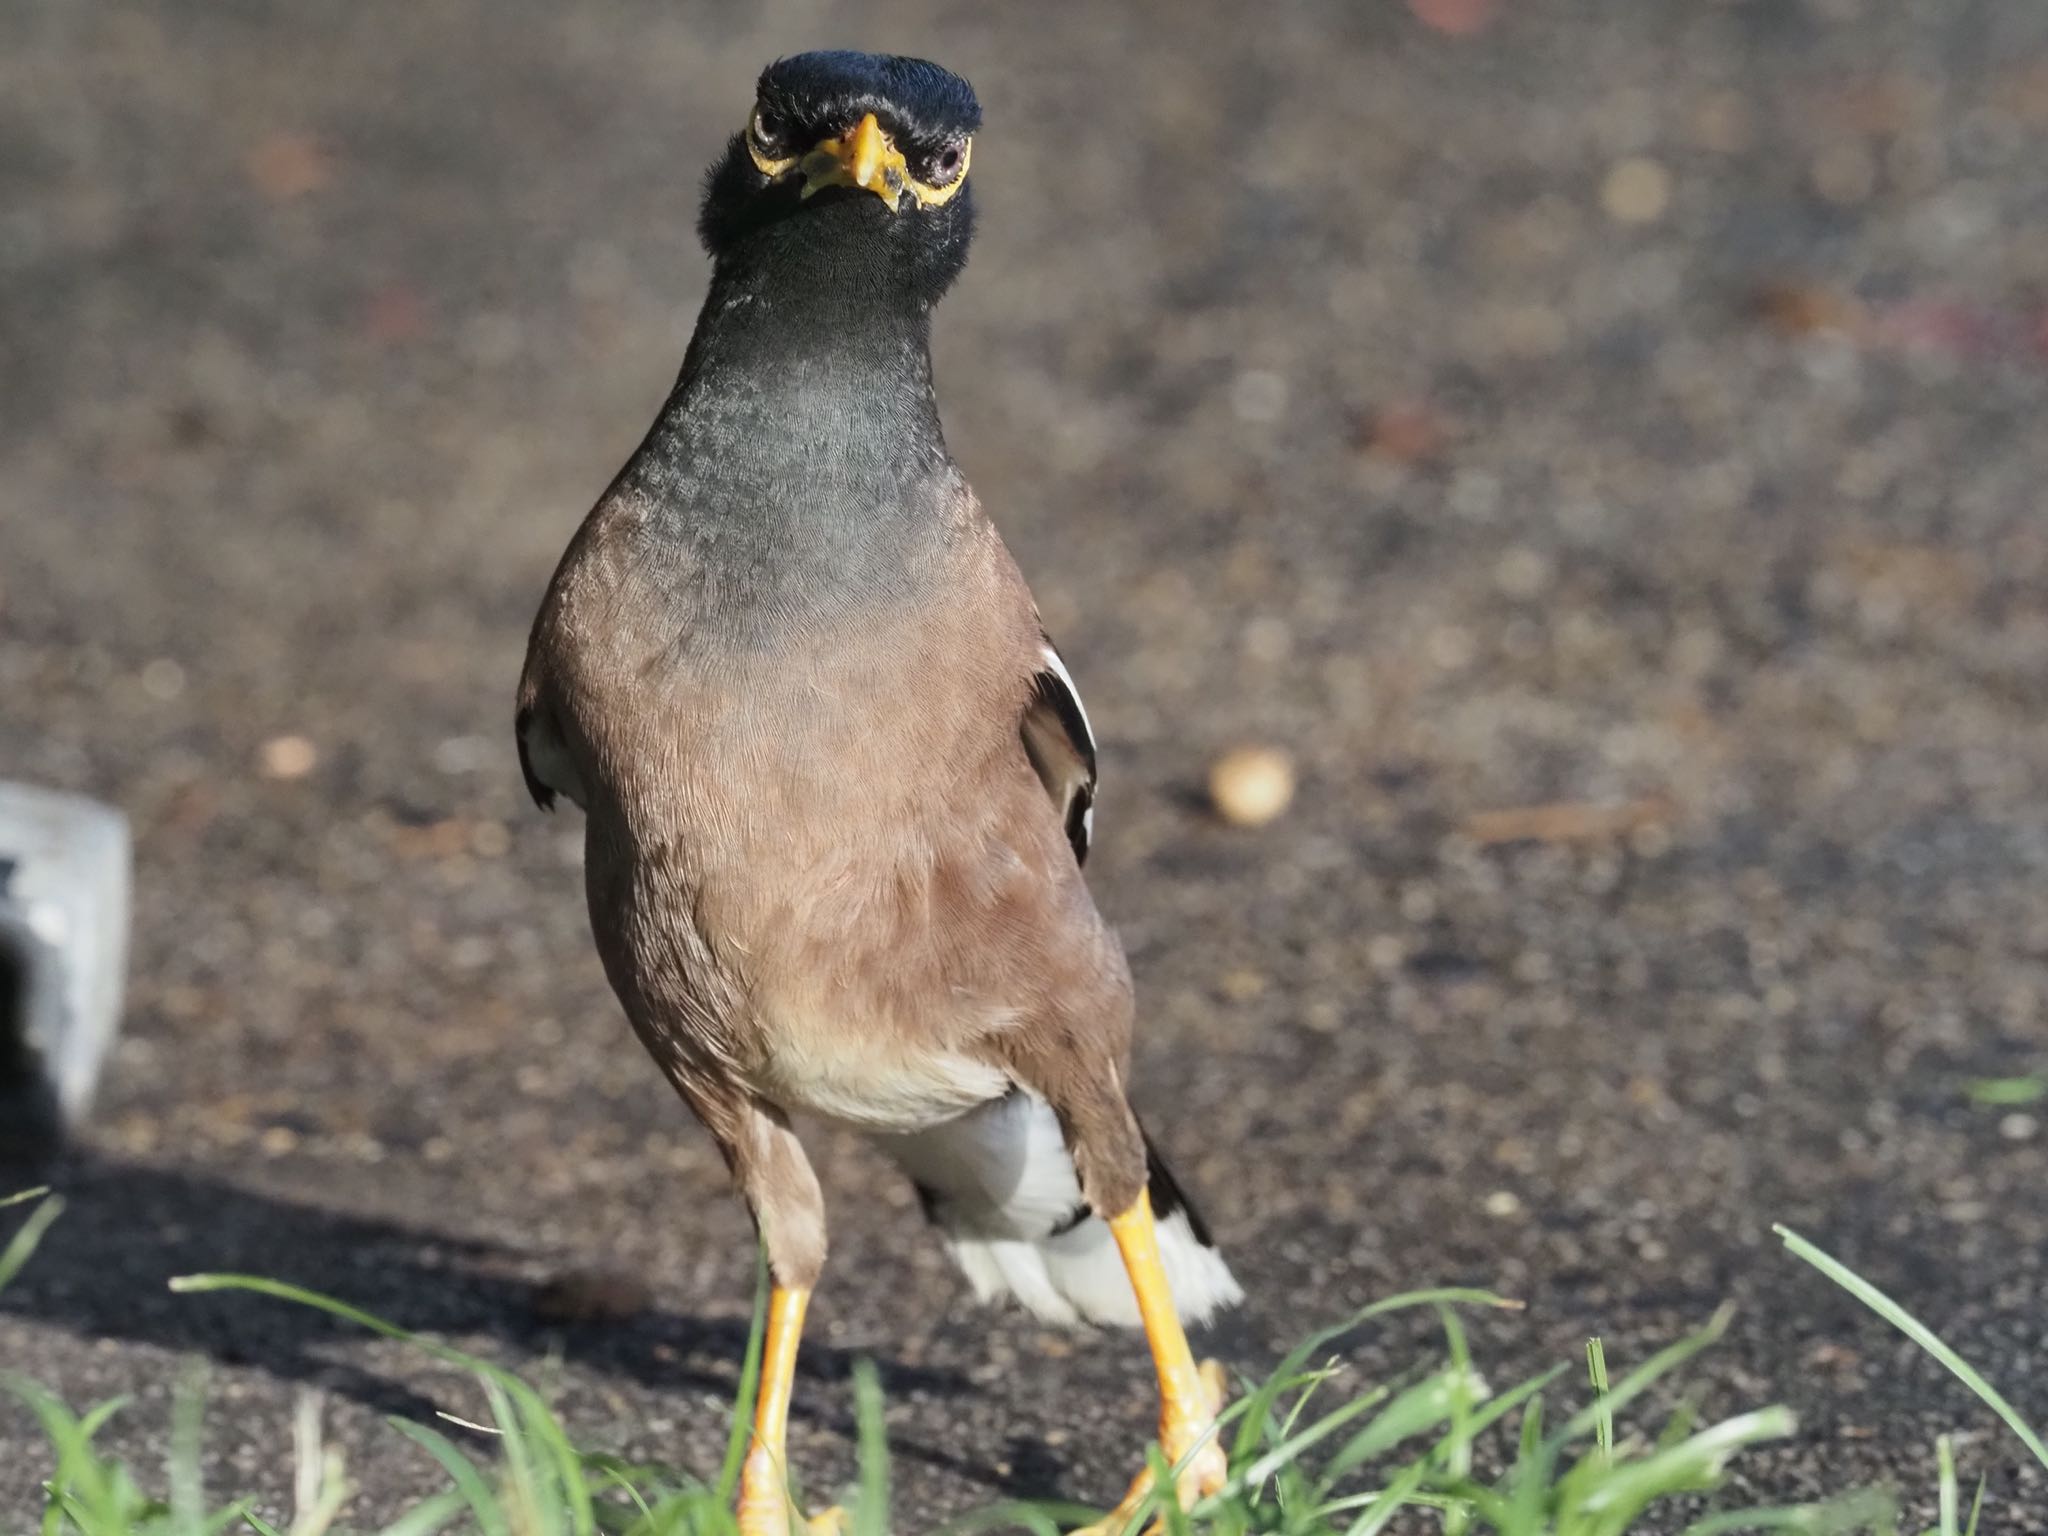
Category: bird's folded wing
[543,795]
[1062,747]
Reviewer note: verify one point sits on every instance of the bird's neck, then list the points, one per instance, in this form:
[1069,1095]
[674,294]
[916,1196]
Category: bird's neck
[797,473]
[800,373]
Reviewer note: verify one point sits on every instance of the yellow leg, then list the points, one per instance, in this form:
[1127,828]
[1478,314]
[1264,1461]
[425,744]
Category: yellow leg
[1189,1395]
[764,1476]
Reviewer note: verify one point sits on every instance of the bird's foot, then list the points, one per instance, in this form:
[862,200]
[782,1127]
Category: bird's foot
[757,1518]
[763,1507]
[1182,1426]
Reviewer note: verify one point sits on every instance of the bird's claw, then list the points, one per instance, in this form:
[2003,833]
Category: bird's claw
[764,1503]
[1205,1473]
[756,1518]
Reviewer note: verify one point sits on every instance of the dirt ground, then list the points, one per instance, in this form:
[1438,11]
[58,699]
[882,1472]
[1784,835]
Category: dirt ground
[1603,447]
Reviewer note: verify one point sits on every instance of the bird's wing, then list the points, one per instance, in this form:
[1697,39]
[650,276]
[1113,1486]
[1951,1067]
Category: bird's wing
[543,795]
[1062,747]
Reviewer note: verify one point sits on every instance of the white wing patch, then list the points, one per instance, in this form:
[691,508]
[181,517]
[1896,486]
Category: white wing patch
[1057,666]
[1061,745]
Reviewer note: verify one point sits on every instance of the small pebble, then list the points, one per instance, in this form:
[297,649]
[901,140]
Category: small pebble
[1637,191]
[1453,18]
[1267,639]
[2018,1127]
[287,757]
[1522,572]
[1258,395]
[490,840]
[1250,786]
[1404,434]
[1242,985]
[1503,1203]
[278,1140]
[163,679]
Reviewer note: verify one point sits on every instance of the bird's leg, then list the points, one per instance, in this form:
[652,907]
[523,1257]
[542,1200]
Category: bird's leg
[763,1508]
[1190,1395]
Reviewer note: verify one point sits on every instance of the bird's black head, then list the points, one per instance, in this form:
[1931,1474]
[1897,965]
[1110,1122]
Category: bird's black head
[852,167]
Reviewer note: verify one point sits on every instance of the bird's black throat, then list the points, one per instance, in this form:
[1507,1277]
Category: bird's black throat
[800,458]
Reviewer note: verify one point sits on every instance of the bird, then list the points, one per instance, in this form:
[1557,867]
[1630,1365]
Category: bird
[838,783]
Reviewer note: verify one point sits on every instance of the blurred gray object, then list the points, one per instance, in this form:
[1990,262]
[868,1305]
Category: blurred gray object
[64,892]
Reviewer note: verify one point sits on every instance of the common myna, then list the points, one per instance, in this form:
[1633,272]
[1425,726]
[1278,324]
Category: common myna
[838,782]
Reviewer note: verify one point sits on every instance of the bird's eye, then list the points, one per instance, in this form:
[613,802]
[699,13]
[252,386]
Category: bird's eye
[767,134]
[945,167]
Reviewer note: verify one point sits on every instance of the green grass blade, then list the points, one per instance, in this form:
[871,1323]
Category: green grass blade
[1163,1505]
[619,1476]
[1391,1500]
[22,1197]
[742,1434]
[1693,1464]
[1288,1452]
[1603,1410]
[2004,1091]
[1259,1405]
[1314,1383]
[1868,1509]
[1040,1519]
[95,1419]
[1421,1406]
[1918,1332]
[426,1518]
[529,1508]
[469,1481]
[77,1473]
[871,1510]
[1529,1479]
[1639,1380]
[1949,1494]
[540,1425]
[188,1411]
[194,1285]
[1454,1453]
[530,1417]
[1466,1428]
[23,1243]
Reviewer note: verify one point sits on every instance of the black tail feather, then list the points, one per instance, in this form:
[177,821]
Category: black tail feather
[1168,1196]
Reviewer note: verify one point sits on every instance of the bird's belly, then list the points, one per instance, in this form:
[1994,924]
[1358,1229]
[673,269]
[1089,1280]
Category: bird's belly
[859,1077]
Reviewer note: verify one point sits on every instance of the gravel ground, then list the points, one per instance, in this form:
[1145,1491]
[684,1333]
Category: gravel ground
[1629,407]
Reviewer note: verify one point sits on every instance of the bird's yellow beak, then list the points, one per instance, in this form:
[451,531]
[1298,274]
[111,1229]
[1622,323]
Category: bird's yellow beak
[864,158]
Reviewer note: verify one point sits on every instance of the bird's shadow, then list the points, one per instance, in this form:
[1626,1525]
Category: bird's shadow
[103,1272]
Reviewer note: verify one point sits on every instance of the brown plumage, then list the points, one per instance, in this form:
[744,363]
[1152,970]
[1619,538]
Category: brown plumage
[837,782]
[824,876]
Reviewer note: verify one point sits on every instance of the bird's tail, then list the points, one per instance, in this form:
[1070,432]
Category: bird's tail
[1027,1233]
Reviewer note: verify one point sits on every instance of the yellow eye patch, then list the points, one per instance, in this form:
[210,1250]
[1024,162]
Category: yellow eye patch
[864,158]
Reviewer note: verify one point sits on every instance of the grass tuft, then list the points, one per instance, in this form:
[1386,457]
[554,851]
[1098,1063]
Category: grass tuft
[1309,1454]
